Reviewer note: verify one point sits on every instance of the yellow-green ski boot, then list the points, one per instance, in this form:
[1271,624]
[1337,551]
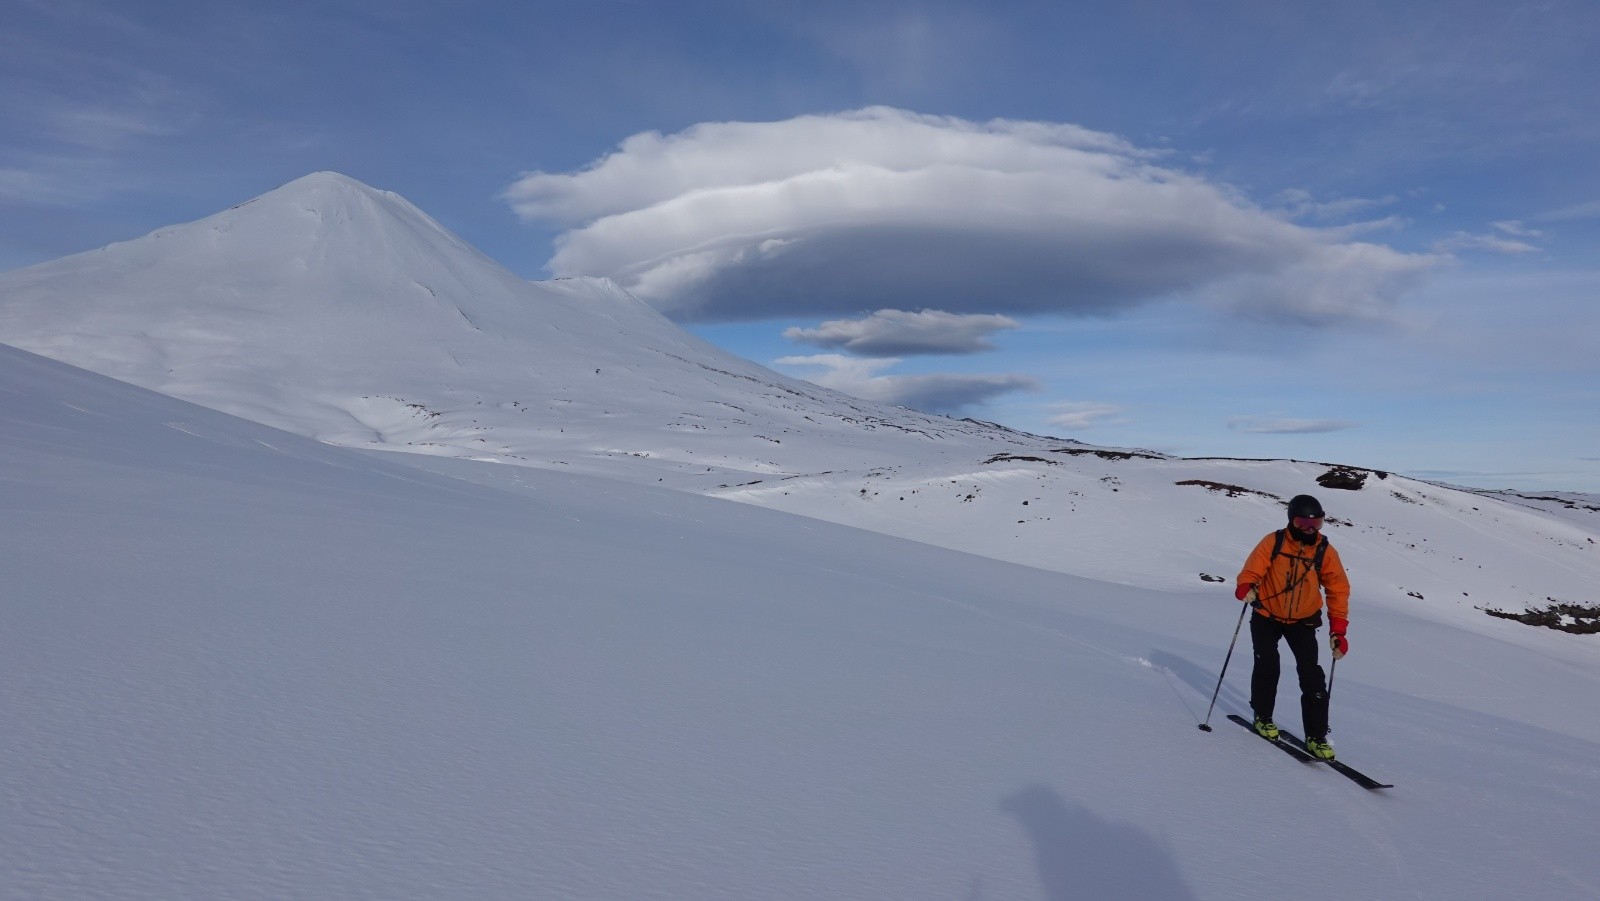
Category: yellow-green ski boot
[1319,748]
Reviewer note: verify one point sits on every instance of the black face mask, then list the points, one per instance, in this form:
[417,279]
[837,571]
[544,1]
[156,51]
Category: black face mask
[1303,537]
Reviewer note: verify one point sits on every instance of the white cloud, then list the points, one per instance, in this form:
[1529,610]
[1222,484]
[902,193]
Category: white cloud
[1587,210]
[1297,203]
[1274,424]
[109,127]
[60,180]
[894,48]
[885,208]
[1083,415]
[935,393]
[31,186]
[895,332]
[1515,227]
[79,103]
[1341,282]
[1459,241]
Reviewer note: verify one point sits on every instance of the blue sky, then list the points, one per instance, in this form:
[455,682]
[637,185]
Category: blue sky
[1357,232]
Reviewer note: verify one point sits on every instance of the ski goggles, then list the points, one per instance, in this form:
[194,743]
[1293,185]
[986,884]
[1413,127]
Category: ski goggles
[1308,523]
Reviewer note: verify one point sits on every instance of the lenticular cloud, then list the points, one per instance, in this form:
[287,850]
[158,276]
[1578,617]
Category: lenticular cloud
[889,333]
[882,208]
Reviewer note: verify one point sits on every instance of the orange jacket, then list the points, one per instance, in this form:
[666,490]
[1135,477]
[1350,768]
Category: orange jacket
[1286,586]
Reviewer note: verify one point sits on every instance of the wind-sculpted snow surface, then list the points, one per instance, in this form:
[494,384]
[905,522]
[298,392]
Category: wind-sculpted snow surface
[238,663]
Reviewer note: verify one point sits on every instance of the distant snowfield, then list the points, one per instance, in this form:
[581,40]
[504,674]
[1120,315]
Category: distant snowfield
[1411,547]
[239,662]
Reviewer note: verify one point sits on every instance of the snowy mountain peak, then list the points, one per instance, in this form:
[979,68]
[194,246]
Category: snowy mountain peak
[336,197]
[328,210]
[327,178]
[334,310]
[304,257]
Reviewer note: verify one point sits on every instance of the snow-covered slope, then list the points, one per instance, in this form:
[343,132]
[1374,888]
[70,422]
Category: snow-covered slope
[238,663]
[1426,549]
[335,311]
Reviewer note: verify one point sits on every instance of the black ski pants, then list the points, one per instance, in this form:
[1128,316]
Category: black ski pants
[1302,638]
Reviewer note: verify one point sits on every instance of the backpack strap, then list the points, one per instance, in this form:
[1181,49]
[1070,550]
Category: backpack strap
[1316,556]
[1316,568]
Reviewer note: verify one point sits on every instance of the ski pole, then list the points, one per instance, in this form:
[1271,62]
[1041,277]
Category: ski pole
[1333,669]
[1206,726]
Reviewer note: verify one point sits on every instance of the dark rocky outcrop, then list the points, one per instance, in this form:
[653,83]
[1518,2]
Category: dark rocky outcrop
[1573,618]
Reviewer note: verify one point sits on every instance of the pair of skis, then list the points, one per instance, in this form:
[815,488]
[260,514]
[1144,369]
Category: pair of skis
[1295,748]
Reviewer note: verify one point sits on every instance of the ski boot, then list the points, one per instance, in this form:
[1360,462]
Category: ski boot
[1319,748]
[1267,729]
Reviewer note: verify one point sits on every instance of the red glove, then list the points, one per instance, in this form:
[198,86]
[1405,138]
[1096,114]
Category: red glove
[1336,628]
[1243,591]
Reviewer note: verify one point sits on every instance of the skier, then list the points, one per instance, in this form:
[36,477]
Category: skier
[1285,579]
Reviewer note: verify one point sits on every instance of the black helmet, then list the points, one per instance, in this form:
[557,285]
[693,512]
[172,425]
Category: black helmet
[1304,505]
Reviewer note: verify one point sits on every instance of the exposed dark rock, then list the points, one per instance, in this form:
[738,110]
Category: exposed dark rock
[1573,618]
[1001,458]
[1230,490]
[1106,454]
[1343,477]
